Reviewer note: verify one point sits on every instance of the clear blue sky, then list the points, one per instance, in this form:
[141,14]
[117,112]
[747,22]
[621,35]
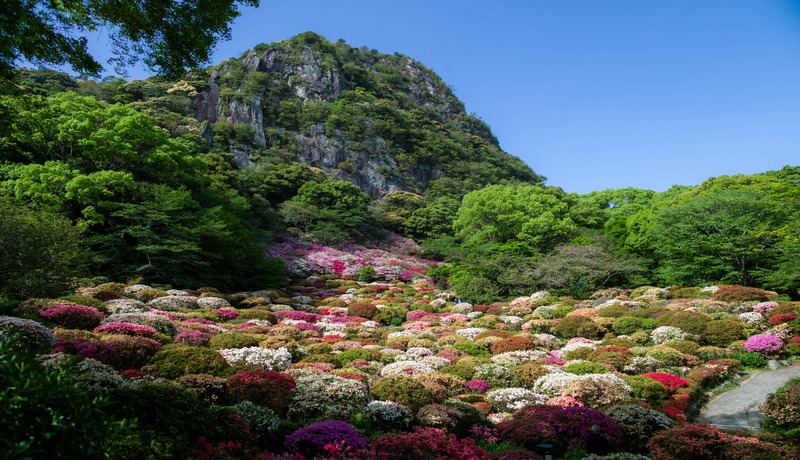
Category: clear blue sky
[591,94]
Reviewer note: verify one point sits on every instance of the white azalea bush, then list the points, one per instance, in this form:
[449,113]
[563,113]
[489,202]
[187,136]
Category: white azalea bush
[273,360]
[514,398]
[326,396]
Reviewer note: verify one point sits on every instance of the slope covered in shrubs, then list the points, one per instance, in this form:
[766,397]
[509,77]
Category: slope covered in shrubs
[333,367]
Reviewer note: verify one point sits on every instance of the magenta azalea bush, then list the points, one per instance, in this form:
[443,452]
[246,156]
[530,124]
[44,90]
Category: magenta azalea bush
[73,316]
[763,343]
[323,437]
[116,327]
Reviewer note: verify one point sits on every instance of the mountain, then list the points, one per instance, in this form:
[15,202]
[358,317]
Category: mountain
[383,122]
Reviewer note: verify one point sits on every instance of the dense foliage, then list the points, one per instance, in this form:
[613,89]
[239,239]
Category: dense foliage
[169,36]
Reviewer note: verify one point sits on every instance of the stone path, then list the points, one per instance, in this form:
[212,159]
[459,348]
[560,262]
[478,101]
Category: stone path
[739,408]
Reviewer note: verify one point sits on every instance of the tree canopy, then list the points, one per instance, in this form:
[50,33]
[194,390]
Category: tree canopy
[170,35]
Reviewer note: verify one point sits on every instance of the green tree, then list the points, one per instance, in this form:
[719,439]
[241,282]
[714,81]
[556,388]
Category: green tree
[532,214]
[170,35]
[719,235]
[45,413]
[433,220]
[40,252]
[330,210]
[396,207]
[582,269]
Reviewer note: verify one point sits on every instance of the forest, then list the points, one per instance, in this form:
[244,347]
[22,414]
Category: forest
[121,172]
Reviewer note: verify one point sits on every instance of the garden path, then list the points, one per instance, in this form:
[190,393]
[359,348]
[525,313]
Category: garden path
[740,407]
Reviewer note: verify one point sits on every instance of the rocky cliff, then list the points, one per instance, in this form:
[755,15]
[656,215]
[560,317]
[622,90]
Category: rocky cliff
[383,122]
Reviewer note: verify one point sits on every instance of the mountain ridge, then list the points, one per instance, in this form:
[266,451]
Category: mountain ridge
[383,122]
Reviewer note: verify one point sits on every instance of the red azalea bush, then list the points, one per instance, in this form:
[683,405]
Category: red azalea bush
[670,382]
[566,428]
[735,292]
[783,318]
[425,443]
[514,343]
[268,388]
[73,316]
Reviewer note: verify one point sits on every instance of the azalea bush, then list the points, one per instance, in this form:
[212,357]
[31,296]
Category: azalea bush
[639,424]
[73,316]
[763,343]
[321,438]
[25,333]
[263,387]
[703,442]
[564,428]
[425,443]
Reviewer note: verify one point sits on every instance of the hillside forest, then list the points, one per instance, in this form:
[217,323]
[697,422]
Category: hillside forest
[117,179]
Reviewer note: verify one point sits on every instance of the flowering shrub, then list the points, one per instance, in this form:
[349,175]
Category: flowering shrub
[158,322]
[496,375]
[125,306]
[763,343]
[132,352]
[564,428]
[782,318]
[736,293]
[313,439]
[87,349]
[456,416]
[764,306]
[512,399]
[406,368]
[227,314]
[597,390]
[323,396]
[174,302]
[693,441]
[138,330]
[206,387]
[73,316]
[514,343]
[388,415]
[582,368]
[262,421]
[267,388]
[670,382]
[518,357]
[273,360]
[551,384]
[194,338]
[26,333]
[664,334]
[234,340]
[425,443]
[751,317]
[783,407]
[478,386]
[639,424]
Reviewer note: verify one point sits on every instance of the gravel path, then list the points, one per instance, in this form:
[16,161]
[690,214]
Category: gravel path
[739,408]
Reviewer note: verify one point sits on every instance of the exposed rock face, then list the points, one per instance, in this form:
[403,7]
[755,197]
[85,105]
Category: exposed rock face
[254,90]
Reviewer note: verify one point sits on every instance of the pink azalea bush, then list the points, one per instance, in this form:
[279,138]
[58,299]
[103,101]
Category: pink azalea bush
[763,343]
[73,316]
